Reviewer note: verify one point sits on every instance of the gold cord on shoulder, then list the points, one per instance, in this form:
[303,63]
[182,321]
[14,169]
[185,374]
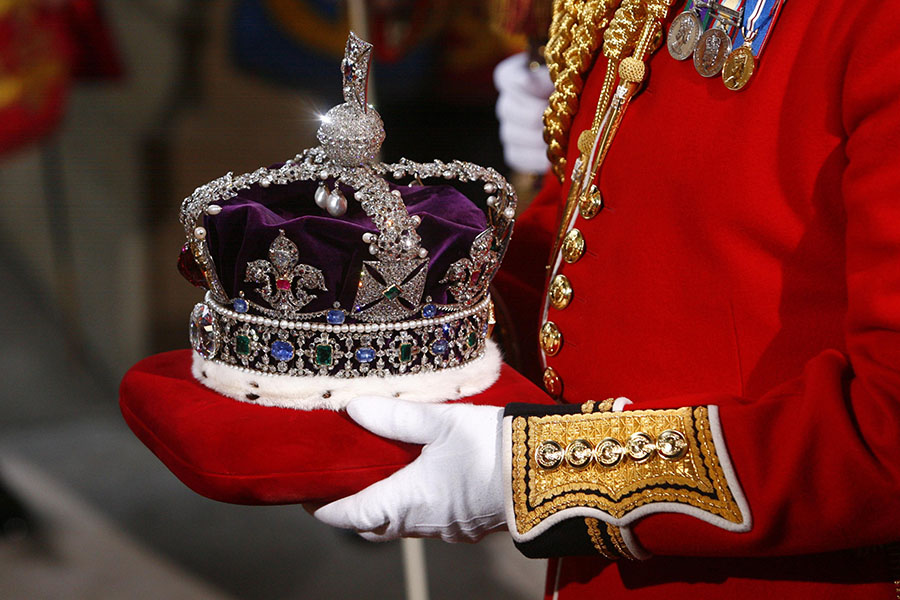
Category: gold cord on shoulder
[570,52]
[625,26]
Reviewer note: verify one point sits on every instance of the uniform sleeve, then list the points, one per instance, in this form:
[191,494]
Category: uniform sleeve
[811,466]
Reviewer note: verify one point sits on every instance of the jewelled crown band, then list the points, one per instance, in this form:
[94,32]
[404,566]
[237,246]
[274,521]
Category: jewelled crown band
[333,268]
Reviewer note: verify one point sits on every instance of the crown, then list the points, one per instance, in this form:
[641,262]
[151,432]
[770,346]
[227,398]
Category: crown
[333,275]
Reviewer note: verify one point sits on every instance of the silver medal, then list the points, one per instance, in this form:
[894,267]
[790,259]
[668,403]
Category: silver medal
[684,34]
[712,50]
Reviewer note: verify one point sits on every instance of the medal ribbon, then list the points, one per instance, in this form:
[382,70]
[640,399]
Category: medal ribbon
[760,19]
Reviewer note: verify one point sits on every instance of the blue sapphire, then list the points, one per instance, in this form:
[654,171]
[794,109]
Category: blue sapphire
[282,351]
[240,305]
[447,329]
[429,310]
[440,347]
[336,316]
[365,355]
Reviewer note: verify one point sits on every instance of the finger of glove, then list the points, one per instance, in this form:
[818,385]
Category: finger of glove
[374,508]
[412,422]
[515,74]
[521,136]
[522,111]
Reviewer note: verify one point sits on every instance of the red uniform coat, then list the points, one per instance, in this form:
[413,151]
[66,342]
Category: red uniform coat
[748,256]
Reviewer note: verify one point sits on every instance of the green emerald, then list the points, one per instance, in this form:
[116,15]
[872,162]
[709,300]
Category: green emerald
[392,292]
[242,345]
[324,355]
[405,352]
[472,339]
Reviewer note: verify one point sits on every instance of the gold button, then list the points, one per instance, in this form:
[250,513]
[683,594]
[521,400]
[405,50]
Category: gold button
[609,452]
[573,246]
[591,203]
[579,453]
[640,446]
[549,454]
[552,382]
[671,444]
[560,292]
[551,338]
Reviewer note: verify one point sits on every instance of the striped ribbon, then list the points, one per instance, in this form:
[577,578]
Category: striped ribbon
[761,18]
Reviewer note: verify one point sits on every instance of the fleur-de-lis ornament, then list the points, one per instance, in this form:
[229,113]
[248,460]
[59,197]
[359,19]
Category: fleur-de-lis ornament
[466,276]
[283,282]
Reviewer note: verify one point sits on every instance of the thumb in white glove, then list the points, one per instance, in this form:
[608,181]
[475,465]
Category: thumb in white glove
[453,490]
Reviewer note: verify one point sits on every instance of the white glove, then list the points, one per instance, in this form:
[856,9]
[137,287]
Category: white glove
[520,109]
[453,490]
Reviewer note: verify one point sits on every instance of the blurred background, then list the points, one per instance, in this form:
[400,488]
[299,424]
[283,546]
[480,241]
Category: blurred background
[111,112]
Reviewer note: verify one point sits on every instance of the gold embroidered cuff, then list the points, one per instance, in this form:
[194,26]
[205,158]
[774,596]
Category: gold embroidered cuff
[618,463]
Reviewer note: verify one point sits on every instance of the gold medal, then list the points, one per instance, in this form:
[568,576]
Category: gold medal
[738,68]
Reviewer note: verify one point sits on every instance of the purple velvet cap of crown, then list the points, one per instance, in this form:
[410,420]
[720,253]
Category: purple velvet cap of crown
[248,224]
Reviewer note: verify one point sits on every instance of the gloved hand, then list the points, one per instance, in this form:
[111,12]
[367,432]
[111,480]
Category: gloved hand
[453,490]
[523,95]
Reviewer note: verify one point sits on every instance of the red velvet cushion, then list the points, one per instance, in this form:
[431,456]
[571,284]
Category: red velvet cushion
[245,454]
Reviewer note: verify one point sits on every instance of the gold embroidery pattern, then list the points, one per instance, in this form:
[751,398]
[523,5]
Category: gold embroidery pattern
[608,540]
[696,479]
[615,534]
[593,528]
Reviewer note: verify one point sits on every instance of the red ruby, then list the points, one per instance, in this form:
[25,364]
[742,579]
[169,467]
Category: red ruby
[283,284]
[189,268]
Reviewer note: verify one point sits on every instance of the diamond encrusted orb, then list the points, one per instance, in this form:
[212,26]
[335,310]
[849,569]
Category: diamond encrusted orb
[350,136]
[204,331]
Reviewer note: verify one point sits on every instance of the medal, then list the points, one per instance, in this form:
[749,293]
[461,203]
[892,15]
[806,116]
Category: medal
[740,64]
[714,45]
[739,67]
[711,52]
[684,34]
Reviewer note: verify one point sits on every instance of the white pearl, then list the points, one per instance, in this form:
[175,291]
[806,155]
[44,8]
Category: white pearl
[306,325]
[200,233]
[213,209]
[321,196]
[337,204]
[373,249]
[369,237]
[423,252]
[509,212]
[491,200]
[283,324]
[490,188]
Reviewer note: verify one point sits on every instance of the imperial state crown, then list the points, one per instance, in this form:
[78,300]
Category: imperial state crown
[333,275]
